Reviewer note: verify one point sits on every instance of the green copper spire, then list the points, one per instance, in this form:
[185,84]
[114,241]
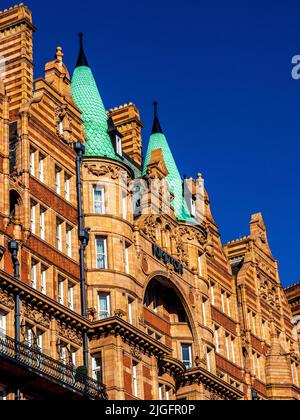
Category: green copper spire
[87,97]
[158,141]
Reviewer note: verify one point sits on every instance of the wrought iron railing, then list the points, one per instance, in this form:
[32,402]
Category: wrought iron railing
[66,375]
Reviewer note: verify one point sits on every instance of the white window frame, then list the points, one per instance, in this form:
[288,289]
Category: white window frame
[2,324]
[44,279]
[126,259]
[73,357]
[228,299]
[42,222]
[59,242]
[119,147]
[190,361]
[102,256]
[124,205]
[61,291]
[97,367]
[130,311]
[58,172]
[69,235]
[71,296]
[227,340]
[29,335]
[41,167]
[32,161]
[161,392]
[39,341]
[33,211]
[217,340]
[99,205]
[33,274]
[104,314]
[135,386]
[67,186]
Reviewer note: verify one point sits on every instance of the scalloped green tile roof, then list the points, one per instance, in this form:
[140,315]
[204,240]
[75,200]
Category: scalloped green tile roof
[158,141]
[87,97]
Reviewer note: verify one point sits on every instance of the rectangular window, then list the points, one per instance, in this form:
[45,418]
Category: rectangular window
[101,250]
[208,359]
[41,167]
[186,351]
[135,380]
[99,200]
[32,161]
[126,258]
[104,305]
[59,225]
[29,336]
[69,230]
[228,347]
[217,339]
[233,349]
[58,172]
[124,205]
[2,324]
[119,146]
[42,222]
[39,341]
[97,367]
[61,282]
[63,354]
[228,298]
[67,187]
[34,265]
[130,311]
[33,209]
[71,296]
[73,357]
[44,280]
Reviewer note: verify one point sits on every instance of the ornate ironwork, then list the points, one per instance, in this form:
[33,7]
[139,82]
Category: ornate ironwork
[33,359]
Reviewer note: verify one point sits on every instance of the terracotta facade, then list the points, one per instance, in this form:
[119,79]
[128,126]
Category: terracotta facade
[220,329]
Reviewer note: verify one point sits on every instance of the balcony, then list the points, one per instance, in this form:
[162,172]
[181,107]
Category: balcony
[37,373]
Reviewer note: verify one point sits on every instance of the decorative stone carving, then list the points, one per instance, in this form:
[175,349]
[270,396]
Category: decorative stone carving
[120,313]
[2,252]
[37,316]
[63,123]
[193,234]
[136,352]
[7,300]
[150,226]
[69,333]
[105,170]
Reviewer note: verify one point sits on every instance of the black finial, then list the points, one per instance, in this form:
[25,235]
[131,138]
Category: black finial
[82,60]
[156,124]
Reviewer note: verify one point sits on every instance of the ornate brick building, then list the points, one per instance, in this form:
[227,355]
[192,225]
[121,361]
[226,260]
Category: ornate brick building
[107,291]
[293,296]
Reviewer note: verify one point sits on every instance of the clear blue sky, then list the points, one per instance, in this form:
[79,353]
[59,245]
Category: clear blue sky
[221,71]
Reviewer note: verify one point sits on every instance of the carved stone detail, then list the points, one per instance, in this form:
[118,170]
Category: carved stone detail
[104,170]
[7,300]
[136,352]
[69,334]
[37,316]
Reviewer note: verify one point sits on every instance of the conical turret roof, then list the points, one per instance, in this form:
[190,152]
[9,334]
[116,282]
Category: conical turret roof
[158,141]
[87,97]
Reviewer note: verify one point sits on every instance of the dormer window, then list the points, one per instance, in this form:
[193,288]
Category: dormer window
[119,149]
